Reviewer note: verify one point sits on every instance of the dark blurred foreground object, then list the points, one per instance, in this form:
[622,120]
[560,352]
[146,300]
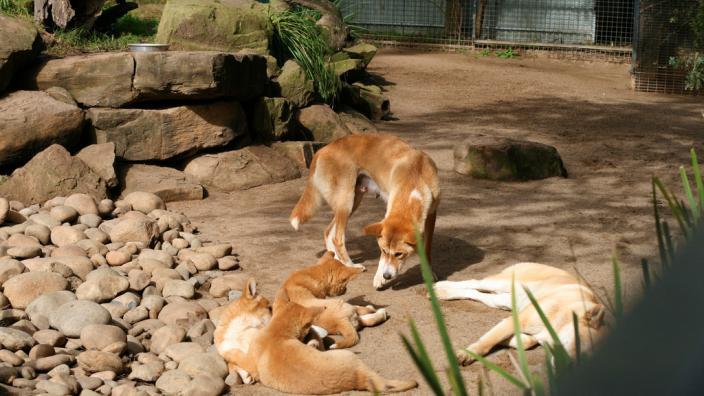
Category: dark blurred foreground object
[658,347]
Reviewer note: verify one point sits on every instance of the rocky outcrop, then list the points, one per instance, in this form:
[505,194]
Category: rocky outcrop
[241,169]
[93,80]
[144,135]
[119,79]
[273,119]
[363,51]
[367,100]
[215,25]
[487,157]
[167,183]
[176,75]
[300,152]
[19,44]
[355,121]
[101,159]
[30,121]
[53,172]
[322,123]
[294,85]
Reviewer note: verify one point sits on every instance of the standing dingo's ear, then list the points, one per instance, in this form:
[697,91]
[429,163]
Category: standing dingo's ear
[373,229]
[250,291]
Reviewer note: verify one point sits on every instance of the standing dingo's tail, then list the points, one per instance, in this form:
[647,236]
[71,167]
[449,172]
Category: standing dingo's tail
[308,203]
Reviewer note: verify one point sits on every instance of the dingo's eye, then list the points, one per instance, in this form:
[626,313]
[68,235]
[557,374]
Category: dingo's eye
[398,254]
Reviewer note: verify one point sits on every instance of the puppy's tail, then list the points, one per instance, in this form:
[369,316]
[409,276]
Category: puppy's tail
[309,201]
[373,382]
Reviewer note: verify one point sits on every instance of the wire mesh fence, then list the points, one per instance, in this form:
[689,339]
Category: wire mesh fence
[662,38]
[669,46]
[462,22]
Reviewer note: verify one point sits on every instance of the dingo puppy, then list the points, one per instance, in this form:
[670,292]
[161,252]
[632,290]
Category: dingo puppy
[238,325]
[310,286]
[278,359]
[558,293]
[344,170]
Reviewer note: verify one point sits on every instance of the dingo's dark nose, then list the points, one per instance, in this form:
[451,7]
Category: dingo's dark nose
[387,275]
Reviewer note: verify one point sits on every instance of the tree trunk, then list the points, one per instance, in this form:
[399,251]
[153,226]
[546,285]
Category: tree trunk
[65,13]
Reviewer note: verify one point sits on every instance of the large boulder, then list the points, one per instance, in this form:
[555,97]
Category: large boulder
[101,159]
[51,173]
[242,169]
[222,25]
[118,79]
[367,100]
[160,134]
[363,51]
[167,183]
[19,44]
[32,121]
[355,121]
[301,152]
[294,85]
[488,157]
[273,119]
[322,123]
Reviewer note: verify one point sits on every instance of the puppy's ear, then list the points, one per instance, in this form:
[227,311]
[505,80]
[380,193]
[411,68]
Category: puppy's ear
[250,291]
[595,316]
[328,255]
[373,229]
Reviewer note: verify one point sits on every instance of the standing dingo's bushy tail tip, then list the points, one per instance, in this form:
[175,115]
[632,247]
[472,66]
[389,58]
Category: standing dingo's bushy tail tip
[307,204]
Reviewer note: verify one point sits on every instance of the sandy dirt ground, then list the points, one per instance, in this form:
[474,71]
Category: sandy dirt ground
[611,139]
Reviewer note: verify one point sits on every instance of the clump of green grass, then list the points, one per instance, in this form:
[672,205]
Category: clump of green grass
[508,53]
[14,7]
[299,38]
[127,30]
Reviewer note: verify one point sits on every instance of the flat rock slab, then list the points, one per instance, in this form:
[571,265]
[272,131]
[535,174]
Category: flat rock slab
[51,173]
[119,79]
[486,157]
[160,134]
[242,169]
[31,121]
[167,183]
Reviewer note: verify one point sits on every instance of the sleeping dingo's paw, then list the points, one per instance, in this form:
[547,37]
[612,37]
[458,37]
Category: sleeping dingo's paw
[464,358]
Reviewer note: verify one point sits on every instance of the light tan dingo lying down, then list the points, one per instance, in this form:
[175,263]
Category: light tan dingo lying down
[558,293]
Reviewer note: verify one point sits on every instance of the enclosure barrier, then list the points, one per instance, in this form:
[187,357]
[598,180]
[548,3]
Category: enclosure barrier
[646,33]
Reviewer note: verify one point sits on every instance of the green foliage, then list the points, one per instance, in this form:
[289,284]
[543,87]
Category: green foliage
[694,66]
[298,37]
[507,53]
[14,7]
[348,18]
[485,52]
[126,30]
[688,214]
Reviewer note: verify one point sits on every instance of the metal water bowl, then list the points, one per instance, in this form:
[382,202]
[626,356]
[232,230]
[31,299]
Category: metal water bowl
[148,47]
